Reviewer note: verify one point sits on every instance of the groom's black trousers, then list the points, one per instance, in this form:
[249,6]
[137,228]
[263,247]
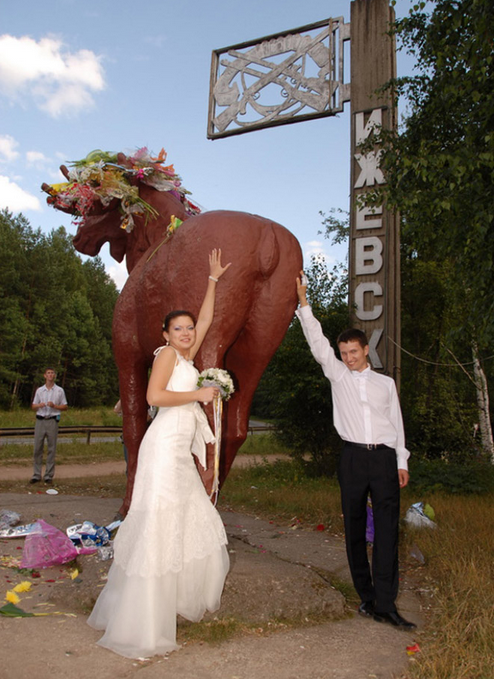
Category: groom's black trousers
[362,472]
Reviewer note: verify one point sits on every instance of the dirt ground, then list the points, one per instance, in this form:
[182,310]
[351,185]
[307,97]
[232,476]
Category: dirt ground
[73,471]
[278,573]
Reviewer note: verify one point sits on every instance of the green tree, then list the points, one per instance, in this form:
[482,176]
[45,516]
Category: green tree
[440,166]
[438,400]
[294,391]
[16,244]
[56,310]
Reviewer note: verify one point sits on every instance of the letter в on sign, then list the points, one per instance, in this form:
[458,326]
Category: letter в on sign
[368,261]
[374,313]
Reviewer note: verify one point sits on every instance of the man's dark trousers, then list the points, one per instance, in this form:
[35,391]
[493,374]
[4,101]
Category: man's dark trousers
[362,472]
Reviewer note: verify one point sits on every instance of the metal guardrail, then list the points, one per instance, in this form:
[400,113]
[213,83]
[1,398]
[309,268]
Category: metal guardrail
[88,430]
[19,432]
[262,428]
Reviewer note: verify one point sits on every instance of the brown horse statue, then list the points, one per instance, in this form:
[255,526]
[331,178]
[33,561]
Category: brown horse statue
[255,300]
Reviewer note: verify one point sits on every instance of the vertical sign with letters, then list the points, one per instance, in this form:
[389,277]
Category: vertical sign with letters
[374,234]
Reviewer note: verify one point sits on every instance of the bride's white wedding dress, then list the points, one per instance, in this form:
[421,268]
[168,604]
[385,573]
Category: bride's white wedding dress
[170,551]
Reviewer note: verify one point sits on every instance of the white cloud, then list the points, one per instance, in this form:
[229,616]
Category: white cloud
[316,248]
[7,148]
[36,158]
[16,199]
[59,81]
[313,247]
[119,273]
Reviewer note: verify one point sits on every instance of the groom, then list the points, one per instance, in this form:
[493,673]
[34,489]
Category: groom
[367,416]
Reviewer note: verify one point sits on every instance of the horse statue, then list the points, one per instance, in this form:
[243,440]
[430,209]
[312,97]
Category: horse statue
[140,207]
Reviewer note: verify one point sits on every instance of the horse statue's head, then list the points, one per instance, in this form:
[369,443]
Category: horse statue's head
[129,201]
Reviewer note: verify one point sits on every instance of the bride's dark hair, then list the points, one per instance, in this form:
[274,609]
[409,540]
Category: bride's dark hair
[175,314]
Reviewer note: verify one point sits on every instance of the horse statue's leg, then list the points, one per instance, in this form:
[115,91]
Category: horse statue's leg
[133,386]
[133,366]
[249,356]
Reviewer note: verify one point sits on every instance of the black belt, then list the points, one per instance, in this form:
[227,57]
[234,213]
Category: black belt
[40,417]
[368,446]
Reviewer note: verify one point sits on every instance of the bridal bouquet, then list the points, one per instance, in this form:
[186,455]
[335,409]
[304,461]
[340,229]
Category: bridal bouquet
[216,377]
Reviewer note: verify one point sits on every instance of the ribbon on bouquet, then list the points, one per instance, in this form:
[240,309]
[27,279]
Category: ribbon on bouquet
[217,377]
[217,416]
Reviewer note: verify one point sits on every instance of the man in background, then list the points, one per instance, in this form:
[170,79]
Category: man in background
[49,401]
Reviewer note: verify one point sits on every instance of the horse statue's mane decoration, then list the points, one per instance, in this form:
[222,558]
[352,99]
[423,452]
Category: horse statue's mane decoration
[100,178]
[136,203]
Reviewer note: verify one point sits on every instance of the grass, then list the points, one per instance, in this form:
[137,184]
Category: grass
[24,417]
[216,631]
[67,453]
[280,490]
[262,444]
[458,640]
[101,416]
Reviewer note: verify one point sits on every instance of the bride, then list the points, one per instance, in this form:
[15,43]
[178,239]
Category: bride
[170,551]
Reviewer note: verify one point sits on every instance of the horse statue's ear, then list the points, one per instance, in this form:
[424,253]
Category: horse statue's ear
[122,159]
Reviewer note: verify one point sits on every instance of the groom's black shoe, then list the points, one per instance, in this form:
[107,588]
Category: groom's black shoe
[394,618]
[366,609]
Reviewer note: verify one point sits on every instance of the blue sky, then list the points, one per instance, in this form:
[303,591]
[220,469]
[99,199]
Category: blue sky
[117,76]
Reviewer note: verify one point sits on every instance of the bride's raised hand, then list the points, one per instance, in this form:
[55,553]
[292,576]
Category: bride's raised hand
[215,268]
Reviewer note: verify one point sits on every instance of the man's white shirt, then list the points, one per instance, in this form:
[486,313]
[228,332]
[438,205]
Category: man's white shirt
[366,408]
[56,395]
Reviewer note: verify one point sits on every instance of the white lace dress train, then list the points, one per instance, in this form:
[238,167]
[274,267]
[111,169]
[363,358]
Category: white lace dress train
[170,552]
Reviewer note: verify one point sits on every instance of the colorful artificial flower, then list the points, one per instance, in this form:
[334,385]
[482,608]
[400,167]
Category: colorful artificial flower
[23,586]
[411,650]
[12,597]
[174,224]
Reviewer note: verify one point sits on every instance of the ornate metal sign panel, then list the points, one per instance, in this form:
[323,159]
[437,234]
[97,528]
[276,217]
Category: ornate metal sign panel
[283,78]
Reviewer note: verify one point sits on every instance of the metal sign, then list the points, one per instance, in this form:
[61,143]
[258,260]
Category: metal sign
[283,78]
